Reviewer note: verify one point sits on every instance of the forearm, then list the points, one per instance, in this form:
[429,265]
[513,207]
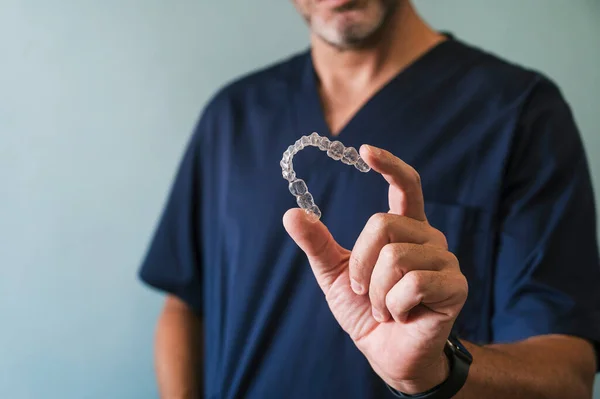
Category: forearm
[545,367]
[178,347]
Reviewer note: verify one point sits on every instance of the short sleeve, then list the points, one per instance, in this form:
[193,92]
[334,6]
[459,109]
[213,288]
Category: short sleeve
[173,259]
[547,276]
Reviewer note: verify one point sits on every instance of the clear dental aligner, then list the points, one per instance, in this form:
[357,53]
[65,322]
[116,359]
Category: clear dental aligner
[334,149]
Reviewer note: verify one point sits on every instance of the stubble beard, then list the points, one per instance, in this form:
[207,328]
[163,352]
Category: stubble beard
[347,35]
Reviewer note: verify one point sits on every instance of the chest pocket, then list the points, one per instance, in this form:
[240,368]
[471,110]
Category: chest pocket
[470,236]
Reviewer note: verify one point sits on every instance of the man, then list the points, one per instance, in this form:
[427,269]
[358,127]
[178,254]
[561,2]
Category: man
[476,277]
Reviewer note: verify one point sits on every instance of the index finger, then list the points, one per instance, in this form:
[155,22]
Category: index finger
[406,194]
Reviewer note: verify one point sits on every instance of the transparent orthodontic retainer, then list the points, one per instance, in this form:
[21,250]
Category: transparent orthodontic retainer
[335,150]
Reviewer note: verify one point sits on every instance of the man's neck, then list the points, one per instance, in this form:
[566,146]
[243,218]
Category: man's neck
[403,39]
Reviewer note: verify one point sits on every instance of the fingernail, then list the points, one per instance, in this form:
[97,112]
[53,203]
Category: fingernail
[373,150]
[377,315]
[356,287]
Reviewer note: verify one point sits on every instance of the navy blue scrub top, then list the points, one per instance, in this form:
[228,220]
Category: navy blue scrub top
[504,176]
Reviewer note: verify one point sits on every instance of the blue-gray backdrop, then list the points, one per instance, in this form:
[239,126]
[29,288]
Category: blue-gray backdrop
[97,99]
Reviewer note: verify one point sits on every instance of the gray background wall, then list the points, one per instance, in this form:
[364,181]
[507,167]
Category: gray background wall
[97,99]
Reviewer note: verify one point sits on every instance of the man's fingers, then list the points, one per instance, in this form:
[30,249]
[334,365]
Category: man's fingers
[406,195]
[441,292]
[394,262]
[380,230]
[325,255]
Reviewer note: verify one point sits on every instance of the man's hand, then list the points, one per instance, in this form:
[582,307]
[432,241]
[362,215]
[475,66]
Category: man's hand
[399,291]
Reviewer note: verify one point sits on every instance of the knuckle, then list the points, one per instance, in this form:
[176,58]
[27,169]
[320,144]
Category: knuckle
[461,292]
[450,260]
[378,221]
[390,254]
[438,238]
[415,178]
[464,287]
[393,258]
[441,237]
[414,281]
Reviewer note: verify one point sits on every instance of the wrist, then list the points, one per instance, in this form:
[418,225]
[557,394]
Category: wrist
[433,376]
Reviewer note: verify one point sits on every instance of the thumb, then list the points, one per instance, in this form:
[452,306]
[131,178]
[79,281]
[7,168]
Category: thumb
[327,258]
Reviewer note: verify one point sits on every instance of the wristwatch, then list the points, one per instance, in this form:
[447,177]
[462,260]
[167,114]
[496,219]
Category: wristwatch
[460,361]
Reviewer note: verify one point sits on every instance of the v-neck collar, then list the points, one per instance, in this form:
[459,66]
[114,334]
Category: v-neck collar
[425,70]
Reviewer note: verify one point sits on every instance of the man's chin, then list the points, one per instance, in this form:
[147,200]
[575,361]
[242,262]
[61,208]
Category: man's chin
[347,38]
[349,30]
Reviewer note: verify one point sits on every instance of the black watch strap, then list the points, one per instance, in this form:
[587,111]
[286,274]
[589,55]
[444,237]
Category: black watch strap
[460,361]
